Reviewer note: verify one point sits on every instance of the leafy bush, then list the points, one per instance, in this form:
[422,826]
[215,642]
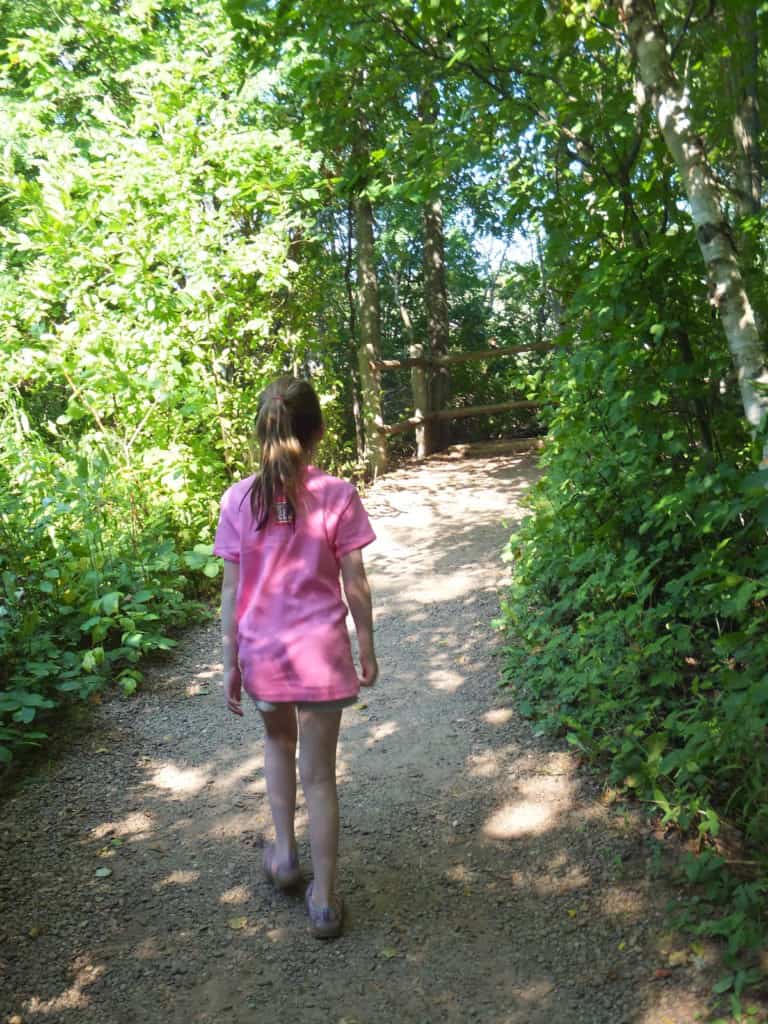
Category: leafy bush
[87,575]
[637,617]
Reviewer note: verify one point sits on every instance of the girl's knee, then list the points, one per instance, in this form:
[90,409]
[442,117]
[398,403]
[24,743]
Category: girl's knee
[280,726]
[313,774]
[317,751]
[285,741]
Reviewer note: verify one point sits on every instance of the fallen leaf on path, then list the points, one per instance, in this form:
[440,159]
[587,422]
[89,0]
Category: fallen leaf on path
[662,972]
[101,750]
[360,707]
[572,913]
[237,923]
[389,953]
[103,872]
[678,958]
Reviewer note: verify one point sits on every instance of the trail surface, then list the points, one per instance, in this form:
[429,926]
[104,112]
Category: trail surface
[486,876]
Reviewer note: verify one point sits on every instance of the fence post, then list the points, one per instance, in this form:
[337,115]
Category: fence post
[421,407]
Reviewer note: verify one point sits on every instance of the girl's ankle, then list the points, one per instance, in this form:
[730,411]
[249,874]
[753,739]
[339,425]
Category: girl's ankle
[321,900]
[286,853]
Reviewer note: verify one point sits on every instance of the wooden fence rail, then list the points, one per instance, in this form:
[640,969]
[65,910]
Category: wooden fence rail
[421,364]
[455,414]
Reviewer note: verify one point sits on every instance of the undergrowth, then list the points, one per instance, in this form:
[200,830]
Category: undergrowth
[637,622]
[98,566]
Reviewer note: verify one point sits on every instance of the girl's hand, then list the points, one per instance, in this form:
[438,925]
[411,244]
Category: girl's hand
[233,687]
[369,668]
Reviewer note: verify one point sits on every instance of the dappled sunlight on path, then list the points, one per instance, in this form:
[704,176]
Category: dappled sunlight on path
[485,879]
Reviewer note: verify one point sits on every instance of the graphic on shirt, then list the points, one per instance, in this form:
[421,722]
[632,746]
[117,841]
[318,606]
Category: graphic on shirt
[283,512]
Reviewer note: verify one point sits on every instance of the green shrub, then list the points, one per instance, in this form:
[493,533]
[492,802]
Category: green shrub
[637,616]
[93,575]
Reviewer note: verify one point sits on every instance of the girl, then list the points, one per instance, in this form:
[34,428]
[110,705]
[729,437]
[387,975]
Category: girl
[284,535]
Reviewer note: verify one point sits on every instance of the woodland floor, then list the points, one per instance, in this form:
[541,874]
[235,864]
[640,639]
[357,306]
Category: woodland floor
[488,876]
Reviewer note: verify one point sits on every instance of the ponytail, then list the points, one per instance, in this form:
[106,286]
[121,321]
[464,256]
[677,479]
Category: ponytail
[288,425]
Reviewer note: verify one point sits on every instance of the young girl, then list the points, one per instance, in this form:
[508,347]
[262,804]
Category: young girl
[285,534]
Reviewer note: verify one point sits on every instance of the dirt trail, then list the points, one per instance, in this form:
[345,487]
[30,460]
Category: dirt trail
[485,878]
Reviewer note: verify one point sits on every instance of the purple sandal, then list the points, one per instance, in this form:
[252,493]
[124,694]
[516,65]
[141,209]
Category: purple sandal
[284,876]
[324,922]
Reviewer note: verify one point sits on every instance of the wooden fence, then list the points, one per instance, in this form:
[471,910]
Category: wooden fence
[424,363]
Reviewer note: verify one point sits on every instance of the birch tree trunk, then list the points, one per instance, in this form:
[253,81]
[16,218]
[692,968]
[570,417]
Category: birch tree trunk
[369,348]
[672,106]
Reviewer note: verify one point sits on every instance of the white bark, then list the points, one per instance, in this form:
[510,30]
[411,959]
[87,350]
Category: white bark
[671,104]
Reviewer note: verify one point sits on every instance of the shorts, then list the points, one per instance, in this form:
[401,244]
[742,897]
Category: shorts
[308,705]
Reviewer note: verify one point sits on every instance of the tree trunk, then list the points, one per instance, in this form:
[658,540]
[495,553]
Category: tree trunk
[435,293]
[436,302]
[353,339]
[746,119]
[672,106]
[419,395]
[742,74]
[369,348]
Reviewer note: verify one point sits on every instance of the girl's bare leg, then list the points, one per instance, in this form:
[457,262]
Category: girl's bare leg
[319,734]
[280,773]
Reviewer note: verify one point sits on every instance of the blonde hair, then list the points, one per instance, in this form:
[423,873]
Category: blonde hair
[288,425]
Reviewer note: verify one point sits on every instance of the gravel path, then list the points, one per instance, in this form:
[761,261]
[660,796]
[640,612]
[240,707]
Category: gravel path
[487,878]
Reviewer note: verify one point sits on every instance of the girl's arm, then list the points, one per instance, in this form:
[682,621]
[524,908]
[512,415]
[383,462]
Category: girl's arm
[358,595]
[232,682]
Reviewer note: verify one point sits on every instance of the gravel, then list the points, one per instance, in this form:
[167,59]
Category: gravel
[486,877]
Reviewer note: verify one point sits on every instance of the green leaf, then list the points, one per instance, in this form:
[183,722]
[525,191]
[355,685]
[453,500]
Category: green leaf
[723,984]
[110,602]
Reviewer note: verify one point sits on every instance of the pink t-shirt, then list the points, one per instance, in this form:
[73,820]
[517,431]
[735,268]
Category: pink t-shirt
[292,638]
